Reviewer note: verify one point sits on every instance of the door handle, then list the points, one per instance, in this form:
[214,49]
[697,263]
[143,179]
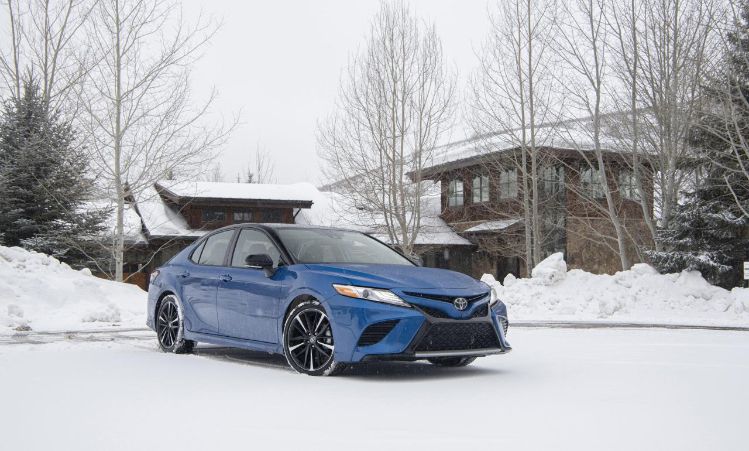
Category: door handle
[225,277]
[184,274]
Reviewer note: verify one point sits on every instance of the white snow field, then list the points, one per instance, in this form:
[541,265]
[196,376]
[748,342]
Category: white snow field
[560,389]
[640,295]
[40,293]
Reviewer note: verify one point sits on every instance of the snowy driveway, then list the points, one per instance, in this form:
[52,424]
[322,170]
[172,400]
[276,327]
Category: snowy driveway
[559,389]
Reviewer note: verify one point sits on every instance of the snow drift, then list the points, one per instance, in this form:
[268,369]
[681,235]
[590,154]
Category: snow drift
[40,293]
[640,294]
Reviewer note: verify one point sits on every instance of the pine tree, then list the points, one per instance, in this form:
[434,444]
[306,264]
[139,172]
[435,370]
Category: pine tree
[44,180]
[707,235]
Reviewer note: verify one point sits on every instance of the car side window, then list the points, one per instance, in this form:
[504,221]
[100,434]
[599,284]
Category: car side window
[215,248]
[254,242]
[195,256]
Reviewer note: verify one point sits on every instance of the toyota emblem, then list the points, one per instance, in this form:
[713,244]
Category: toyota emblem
[460,303]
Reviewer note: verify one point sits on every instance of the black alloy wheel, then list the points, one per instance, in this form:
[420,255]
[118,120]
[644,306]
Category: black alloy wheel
[308,341]
[169,329]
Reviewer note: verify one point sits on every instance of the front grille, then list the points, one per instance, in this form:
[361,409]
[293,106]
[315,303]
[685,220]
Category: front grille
[438,313]
[481,311]
[458,336]
[445,298]
[505,324]
[374,333]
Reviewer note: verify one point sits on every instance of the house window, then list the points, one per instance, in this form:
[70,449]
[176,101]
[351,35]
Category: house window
[271,215]
[590,182]
[455,193]
[241,216]
[508,184]
[552,180]
[628,186]
[480,189]
[214,215]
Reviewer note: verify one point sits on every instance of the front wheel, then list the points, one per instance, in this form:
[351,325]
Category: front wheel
[169,327]
[308,341]
[452,361]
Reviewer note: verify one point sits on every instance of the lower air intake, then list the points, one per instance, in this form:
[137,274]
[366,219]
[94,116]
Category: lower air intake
[458,337]
[374,333]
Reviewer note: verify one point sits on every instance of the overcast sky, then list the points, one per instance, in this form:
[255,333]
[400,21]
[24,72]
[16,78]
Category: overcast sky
[279,63]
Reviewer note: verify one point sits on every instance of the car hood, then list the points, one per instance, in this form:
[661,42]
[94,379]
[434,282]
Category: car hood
[399,276]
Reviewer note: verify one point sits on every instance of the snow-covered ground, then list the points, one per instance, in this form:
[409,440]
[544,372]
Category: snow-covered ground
[40,293]
[639,295]
[559,389]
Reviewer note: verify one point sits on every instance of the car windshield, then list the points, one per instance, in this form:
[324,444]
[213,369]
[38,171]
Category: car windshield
[337,246]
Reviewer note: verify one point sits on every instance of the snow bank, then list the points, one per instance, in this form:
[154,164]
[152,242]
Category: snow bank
[40,293]
[640,294]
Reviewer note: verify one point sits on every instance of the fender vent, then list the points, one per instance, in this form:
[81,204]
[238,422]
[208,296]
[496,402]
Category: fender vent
[374,333]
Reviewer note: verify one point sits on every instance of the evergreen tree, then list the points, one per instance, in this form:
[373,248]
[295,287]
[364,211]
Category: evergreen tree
[44,182]
[708,234]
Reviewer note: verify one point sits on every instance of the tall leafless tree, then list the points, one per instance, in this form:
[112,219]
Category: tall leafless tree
[140,116]
[584,48]
[395,103]
[675,43]
[512,94]
[45,41]
[625,20]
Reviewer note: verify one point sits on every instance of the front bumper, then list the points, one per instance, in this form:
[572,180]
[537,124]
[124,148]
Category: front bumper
[371,331]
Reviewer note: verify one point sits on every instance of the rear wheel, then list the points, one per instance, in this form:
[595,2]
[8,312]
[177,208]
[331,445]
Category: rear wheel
[169,327]
[308,341]
[452,361]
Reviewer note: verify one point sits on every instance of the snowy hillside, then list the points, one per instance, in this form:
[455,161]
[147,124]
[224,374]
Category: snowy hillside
[637,295]
[39,292]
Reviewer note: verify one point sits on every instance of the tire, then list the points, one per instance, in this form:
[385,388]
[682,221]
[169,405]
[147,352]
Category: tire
[170,332]
[308,343]
[452,362]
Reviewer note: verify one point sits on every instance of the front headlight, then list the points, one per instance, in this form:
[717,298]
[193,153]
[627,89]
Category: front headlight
[493,298]
[370,294]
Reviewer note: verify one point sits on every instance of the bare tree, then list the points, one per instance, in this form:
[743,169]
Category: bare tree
[395,104]
[511,95]
[140,117]
[45,41]
[626,24]
[262,169]
[675,43]
[215,173]
[584,45]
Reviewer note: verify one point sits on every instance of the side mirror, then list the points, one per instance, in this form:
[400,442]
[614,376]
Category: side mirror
[260,261]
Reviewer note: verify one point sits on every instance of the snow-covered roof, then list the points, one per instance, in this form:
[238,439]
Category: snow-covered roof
[573,134]
[331,209]
[299,192]
[492,226]
[160,219]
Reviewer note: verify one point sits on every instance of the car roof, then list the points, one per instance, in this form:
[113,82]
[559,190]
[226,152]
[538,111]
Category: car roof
[276,226]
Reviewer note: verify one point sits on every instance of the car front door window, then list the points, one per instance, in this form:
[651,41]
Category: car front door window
[253,242]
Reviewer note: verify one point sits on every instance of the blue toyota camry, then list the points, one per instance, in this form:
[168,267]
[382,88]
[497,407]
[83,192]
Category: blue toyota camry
[322,297]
